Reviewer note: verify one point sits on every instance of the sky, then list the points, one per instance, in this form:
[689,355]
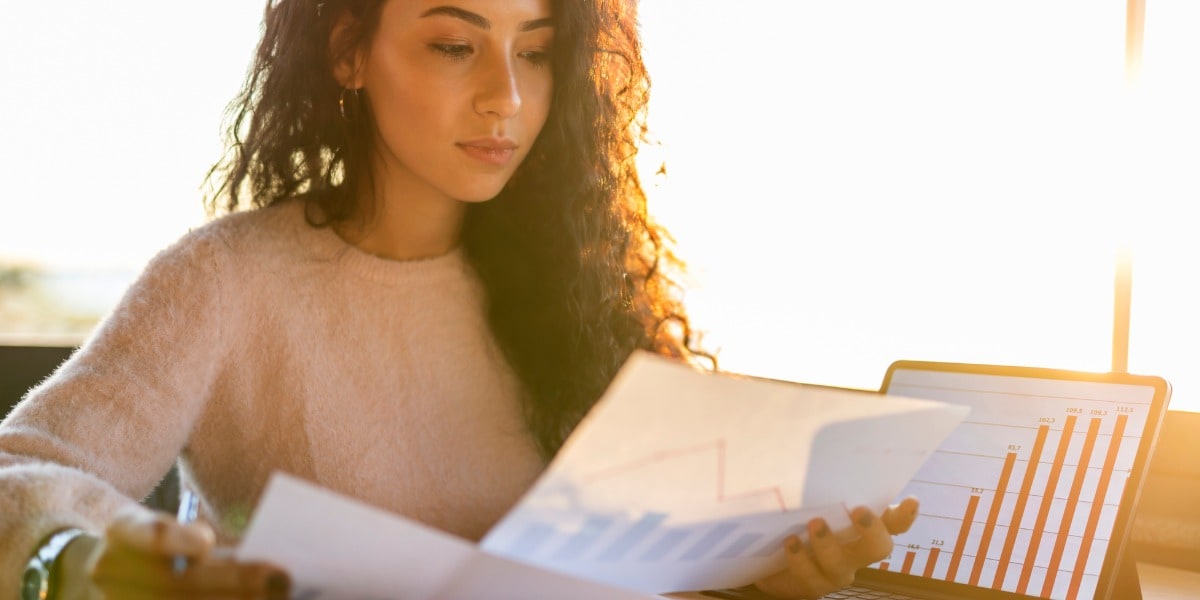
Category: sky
[852,182]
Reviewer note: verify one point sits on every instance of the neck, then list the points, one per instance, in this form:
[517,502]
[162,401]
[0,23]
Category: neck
[410,234]
[405,227]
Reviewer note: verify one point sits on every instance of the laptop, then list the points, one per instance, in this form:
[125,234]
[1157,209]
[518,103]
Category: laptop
[1033,496]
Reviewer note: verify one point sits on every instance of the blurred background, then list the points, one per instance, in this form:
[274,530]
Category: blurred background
[851,182]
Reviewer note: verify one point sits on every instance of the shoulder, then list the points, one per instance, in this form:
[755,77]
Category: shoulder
[214,268]
[230,249]
[244,230]
[279,230]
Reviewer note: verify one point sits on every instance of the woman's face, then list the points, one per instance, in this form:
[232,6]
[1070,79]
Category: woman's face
[460,90]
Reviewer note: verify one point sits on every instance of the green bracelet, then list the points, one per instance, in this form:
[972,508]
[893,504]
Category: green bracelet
[42,573]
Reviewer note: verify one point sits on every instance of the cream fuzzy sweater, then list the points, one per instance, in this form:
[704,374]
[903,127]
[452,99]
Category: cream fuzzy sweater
[258,343]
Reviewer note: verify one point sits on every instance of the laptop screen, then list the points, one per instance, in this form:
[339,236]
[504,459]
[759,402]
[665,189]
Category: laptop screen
[1034,493]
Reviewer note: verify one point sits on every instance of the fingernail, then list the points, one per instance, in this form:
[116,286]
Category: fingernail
[278,585]
[865,519]
[823,530]
[792,544]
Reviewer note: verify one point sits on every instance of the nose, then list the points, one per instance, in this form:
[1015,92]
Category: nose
[499,91]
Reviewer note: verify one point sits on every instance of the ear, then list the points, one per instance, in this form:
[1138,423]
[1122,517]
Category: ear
[347,60]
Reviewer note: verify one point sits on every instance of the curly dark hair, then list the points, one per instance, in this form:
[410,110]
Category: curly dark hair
[576,274]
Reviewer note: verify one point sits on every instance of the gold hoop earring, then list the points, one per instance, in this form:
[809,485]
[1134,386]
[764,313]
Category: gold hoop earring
[349,118]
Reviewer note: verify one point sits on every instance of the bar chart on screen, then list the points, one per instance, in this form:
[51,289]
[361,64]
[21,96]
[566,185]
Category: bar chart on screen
[1022,501]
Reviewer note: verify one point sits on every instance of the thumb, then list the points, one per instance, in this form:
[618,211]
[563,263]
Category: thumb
[900,517]
[159,533]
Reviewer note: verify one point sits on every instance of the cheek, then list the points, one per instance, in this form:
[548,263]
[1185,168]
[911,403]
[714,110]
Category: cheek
[407,103]
[537,103]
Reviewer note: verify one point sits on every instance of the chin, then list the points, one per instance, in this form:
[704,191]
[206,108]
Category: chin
[477,199]
[476,194]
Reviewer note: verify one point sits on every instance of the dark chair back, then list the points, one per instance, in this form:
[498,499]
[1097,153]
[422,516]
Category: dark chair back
[24,366]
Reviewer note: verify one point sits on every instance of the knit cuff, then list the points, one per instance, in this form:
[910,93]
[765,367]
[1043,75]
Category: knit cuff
[39,499]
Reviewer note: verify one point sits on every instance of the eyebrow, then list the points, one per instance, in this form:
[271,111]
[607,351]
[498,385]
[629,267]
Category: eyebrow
[479,20]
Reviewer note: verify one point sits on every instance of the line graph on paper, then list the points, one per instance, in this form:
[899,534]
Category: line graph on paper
[696,456]
[672,483]
[740,526]
[691,475]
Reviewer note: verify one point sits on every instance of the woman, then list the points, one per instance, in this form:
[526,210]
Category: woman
[446,259]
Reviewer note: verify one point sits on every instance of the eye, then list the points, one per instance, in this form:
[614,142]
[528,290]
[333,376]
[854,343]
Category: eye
[453,51]
[536,58]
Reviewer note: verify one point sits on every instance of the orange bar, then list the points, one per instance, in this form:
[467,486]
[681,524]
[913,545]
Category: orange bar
[1014,526]
[908,561]
[931,562]
[883,566]
[1089,534]
[1085,458]
[1060,456]
[993,515]
[962,538]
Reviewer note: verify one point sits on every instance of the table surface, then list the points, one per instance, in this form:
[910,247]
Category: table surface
[1165,583]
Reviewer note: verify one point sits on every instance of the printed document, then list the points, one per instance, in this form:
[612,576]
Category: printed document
[678,479]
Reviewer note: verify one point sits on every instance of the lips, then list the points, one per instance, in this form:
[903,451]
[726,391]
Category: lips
[490,150]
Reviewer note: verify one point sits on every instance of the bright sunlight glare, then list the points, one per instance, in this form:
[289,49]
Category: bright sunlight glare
[863,181]
[111,112]
[852,182]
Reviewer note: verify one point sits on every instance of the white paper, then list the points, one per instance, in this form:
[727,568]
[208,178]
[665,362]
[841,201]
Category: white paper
[677,480]
[336,548]
[684,480]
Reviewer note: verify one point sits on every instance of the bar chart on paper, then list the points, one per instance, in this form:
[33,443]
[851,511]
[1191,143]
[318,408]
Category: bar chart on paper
[706,458]
[671,484]
[1022,500]
[646,546]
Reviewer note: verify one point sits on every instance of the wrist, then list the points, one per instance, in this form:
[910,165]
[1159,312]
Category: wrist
[73,580]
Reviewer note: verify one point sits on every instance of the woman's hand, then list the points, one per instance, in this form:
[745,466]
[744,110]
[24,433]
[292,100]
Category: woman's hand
[135,559]
[824,564]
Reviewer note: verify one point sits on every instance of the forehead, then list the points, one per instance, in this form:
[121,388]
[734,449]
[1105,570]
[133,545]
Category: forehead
[497,13]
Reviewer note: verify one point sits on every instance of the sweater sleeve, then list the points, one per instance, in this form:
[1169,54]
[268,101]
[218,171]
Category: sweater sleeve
[99,433]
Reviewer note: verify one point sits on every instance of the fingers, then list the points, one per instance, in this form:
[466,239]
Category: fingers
[123,572]
[126,593]
[136,559]
[828,562]
[801,578]
[874,542]
[159,534]
[836,567]
[803,564]
[898,518]
[814,569]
